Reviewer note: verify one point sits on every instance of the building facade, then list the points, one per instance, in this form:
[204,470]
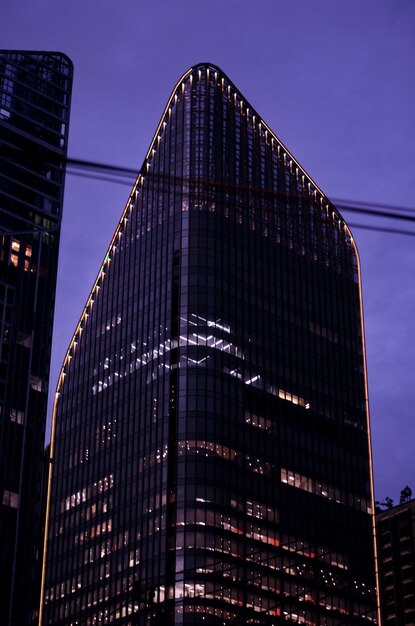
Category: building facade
[210,448]
[35,90]
[396,549]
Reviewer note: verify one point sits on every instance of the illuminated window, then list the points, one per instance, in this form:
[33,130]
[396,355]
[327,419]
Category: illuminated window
[24,339]
[322,489]
[36,383]
[10,498]
[258,421]
[17,416]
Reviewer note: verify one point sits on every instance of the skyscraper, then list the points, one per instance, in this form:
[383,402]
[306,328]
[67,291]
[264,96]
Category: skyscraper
[210,446]
[35,90]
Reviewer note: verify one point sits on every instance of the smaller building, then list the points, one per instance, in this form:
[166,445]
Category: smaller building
[396,546]
[35,92]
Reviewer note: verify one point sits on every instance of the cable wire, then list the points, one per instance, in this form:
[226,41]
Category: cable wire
[371,209]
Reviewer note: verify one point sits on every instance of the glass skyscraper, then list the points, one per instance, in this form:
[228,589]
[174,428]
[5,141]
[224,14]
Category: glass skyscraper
[35,90]
[210,446]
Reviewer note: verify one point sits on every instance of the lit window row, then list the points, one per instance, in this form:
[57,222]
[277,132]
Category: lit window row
[153,458]
[210,519]
[143,359]
[271,536]
[198,320]
[322,489]
[193,339]
[94,531]
[313,551]
[209,448]
[277,606]
[101,486]
[106,548]
[106,326]
[211,341]
[258,421]
[257,381]
[252,508]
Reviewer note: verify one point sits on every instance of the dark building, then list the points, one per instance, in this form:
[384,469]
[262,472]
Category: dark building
[35,90]
[210,452]
[396,550]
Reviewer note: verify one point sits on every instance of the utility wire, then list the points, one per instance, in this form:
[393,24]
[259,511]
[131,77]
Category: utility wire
[379,205]
[380,229]
[343,207]
[377,213]
[105,179]
[128,175]
[121,175]
[379,210]
[103,167]
[388,210]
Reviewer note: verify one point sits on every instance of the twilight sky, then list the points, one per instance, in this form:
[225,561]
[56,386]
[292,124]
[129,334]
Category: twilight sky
[334,80]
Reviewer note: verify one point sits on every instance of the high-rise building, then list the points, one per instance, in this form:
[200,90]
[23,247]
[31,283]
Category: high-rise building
[396,549]
[35,90]
[210,446]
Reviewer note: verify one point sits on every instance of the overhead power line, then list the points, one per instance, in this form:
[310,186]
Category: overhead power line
[388,207]
[121,175]
[102,167]
[343,205]
[380,229]
[367,208]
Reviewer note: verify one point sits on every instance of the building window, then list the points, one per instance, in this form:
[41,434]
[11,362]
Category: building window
[10,499]
[17,416]
[36,383]
[24,339]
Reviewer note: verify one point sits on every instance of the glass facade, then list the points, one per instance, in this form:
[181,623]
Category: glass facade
[35,90]
[210,450]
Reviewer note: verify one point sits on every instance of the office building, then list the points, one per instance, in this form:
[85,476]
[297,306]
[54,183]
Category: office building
[396,549]
[210,449]
[35,90]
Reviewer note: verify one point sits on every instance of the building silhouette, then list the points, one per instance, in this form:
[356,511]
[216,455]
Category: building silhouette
[396,549]
[35,90]
[210,447]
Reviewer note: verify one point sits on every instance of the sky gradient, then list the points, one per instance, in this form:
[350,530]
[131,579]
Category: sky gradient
[335,81]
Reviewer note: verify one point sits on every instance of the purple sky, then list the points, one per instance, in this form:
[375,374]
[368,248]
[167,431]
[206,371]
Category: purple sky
[335,81]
